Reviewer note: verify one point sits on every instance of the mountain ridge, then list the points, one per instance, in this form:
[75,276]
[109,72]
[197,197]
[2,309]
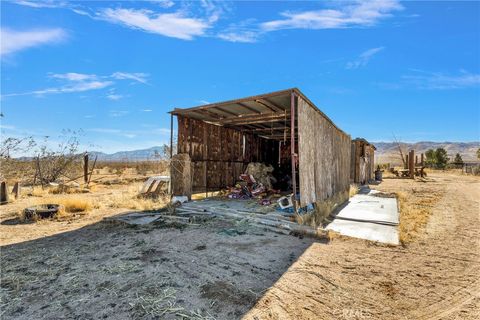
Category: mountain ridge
[386,151]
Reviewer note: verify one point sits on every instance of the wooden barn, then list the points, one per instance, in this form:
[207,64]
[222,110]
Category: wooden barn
[362,167]
[284,129]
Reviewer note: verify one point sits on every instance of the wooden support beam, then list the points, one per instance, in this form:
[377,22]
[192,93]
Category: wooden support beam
[270,129]
[275,136]
[256,118]
[292,149]
[249,122]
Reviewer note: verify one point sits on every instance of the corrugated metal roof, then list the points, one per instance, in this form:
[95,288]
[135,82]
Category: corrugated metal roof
[269,111]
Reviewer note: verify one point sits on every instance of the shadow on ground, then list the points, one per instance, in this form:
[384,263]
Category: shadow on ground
[108,270]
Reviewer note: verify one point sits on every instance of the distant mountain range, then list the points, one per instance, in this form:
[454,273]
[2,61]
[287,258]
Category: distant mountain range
[388,151]
[153,153]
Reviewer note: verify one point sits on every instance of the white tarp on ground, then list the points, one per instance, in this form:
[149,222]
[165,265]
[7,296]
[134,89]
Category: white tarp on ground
[369,217]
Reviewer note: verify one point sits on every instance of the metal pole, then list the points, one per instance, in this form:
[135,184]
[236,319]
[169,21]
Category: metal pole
[292,147]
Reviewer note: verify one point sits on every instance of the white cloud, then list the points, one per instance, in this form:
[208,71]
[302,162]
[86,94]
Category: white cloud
[164,3]
[147,110]
[140,77]
[76,87]
[7,127]
[73,76]
[117,113]
[439,81]
[175,25]
[13,41]
[356,14]
[114,96]
[42,3]
[79,82]
[240,36]
[364,58]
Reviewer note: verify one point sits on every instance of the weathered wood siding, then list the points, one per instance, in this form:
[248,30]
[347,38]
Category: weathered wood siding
[324,157]
[219,155]
[362,162]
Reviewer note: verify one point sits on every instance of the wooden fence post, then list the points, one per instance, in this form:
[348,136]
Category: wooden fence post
[411,163]
[16,190]
[3,193]
[85,168]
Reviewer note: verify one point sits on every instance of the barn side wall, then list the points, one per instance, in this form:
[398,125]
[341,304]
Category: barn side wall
[324,162]
[219,155]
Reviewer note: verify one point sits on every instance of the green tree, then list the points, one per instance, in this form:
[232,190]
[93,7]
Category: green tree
[436,158]
[458,160]
[478,153]
[430,158]
[441,158]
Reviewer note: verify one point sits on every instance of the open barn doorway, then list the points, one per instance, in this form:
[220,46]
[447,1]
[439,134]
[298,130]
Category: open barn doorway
[228,139]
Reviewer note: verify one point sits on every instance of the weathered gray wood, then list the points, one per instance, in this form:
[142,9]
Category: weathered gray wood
[324,155]
[3,192]
[16,190]
[85,168]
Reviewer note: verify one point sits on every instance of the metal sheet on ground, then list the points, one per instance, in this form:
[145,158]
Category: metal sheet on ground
[368,217]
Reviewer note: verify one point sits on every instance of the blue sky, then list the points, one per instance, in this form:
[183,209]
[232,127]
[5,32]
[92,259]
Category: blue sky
[114,69]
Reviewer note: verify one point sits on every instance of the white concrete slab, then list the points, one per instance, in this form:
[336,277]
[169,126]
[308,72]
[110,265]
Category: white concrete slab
[368,217]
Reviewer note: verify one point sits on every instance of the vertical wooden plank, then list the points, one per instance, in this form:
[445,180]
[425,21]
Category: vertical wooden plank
[171,136]
[85,168]
[411,163]
[292,145]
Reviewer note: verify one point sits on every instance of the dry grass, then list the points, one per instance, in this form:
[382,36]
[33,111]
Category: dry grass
[353,190]
[322,210]
[74,205]
[130,199]
[415,209]
[69,206]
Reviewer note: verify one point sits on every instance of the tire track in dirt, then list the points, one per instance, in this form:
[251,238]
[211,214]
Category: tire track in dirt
[457,199]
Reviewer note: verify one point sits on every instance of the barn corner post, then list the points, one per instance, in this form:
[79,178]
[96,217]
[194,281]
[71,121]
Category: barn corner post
[292,149]
[170,191]
[171,136]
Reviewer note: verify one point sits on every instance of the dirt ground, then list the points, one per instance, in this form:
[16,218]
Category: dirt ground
[89,269]
[106,270]
[434,276]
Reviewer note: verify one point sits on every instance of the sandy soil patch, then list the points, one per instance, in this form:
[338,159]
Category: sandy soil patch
[433,276]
